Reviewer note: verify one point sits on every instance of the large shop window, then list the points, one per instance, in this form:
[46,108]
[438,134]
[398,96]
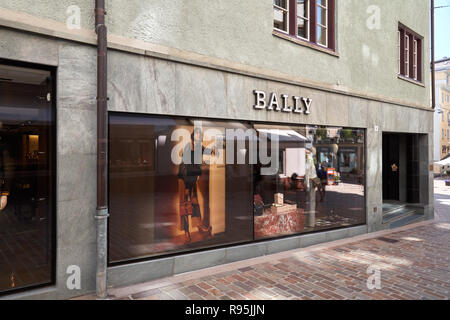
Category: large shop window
[27,176]
[179,185]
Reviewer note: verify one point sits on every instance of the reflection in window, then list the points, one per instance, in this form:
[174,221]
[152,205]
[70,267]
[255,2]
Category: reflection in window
[179,184]
[322,22]
[170,189]
[320,184]
[280,14]
[26,177]
[303,19]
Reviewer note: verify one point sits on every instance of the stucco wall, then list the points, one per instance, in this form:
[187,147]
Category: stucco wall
[241,31]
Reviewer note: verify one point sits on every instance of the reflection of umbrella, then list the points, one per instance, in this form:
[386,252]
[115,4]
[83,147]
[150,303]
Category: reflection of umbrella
[443,163]
[284,135]
[335,148]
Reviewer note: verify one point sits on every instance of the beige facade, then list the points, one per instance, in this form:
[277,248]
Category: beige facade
[444,122]
[442,113]
[444,117]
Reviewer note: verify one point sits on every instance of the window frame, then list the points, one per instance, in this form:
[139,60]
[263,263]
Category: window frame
[312,25]
[415,59]
[318,25]
[410,54]
[307,22]
[406,53]
[287,13]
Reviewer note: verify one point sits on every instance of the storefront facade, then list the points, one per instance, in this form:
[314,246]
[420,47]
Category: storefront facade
[211,160]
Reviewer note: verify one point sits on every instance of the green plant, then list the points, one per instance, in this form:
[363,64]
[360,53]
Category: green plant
[347,134]
[321,133]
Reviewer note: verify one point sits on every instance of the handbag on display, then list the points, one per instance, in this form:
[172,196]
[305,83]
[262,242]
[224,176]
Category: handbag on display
[317,182]
[258,205]
[195,208]
[186,208]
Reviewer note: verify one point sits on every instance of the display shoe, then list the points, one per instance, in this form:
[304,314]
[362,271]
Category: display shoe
[204,230]
[187,237]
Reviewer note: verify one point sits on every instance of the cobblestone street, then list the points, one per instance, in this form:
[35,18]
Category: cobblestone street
[414,263]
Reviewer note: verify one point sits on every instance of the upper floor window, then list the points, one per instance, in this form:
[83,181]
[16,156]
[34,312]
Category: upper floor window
[307,20]
[281,15]
[409,54]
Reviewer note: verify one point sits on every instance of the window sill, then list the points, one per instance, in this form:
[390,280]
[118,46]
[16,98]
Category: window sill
[418,83]
[304,43]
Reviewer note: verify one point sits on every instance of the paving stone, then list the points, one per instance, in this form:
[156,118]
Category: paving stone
[410,269]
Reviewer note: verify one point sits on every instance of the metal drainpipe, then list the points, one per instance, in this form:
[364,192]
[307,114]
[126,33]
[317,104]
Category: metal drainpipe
[102,150]
[433,76]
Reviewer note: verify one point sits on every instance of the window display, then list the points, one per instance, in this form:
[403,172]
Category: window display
[170,189]
[183,184]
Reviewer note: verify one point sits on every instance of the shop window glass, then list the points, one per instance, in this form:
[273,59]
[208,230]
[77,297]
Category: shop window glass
[232,182]
[168,196]
[321,186]
[27,151]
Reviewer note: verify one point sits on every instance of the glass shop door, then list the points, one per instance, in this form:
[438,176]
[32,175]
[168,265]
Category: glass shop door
[27,177]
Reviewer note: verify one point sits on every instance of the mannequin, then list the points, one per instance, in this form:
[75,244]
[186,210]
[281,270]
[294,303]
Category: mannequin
[4,188]
[190,175]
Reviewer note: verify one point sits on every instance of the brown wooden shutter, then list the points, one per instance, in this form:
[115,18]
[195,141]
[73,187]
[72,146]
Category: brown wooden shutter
[419,59]
[411,56]
[402,52]
[313,20]
[293,17]
[331,24]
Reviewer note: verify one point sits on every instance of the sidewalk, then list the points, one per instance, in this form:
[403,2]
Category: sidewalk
[414,262]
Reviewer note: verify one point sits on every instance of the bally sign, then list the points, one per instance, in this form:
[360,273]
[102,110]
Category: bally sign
[300,105]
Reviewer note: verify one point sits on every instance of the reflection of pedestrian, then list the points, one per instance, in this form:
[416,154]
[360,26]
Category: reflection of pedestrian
[4,183]
[310,177]
[190,173]
[323,180]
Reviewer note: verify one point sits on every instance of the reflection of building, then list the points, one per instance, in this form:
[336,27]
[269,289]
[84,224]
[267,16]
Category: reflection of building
[442,113]
[265,68]
[342,149]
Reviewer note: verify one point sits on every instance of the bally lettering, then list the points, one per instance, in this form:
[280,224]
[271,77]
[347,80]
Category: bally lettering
[300,105]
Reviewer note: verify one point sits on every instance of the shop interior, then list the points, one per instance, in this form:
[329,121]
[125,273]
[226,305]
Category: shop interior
[26,174]
[318,184]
